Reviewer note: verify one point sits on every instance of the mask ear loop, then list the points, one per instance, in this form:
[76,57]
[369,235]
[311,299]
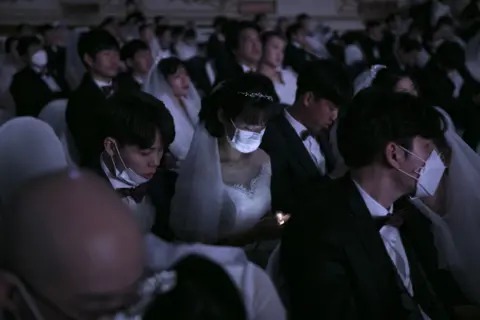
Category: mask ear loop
[119,156]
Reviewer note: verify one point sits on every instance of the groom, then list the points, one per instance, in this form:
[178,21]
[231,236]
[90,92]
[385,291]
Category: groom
[345,257]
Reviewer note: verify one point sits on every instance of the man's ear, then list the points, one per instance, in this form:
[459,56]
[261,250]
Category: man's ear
[129,63]
[109,145]
[9,297]
[307,98]
[88,60]
[393,156]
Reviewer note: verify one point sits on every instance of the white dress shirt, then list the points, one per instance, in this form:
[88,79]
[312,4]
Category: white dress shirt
[287,88]
[49,80]
[144,212]
[392,240]
[310,143]
[246,68]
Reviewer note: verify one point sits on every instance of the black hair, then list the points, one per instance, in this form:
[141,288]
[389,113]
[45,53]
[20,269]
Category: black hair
[92,42]
[266,36]
[235,31]
[178,31]
[170,66]
[144,26]
[9,43]
[370,24]
[22,26]
[444,21]
[301,17]
[386,79]
[450,55]
[407,44]
[26,42]
[326,79]
[105,22]
[391,17]
[251,95]
[133,118]
[293,30]
[258,17]
[378,117]
[190,34]
[203,291]
[220,21]
[131,48]
[45,28]
[161,29]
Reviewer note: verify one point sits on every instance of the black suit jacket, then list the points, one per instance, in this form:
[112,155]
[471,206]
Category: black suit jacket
[292,166]
[336,266]
[57,60]
[160,191]
[126,82]
[31,93]
[296,57]
[83,117]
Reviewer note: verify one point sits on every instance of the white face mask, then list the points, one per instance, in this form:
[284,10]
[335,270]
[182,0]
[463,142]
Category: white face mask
[245,141]
[429,175]
[126,174]
[39,58]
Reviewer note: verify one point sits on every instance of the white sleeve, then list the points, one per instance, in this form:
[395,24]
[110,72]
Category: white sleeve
[266,302]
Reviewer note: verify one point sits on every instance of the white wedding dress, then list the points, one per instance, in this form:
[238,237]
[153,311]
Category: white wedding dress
[247,203]
[206,209]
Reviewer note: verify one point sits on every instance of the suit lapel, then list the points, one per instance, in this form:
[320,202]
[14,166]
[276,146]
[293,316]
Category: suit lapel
[298,151]
[326,147]
[367,232]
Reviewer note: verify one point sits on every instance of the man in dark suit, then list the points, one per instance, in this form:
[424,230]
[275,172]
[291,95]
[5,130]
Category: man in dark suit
[345,256]
[57,56]
[373,47]
[98,50]
[243,42]
[295,55]
[138,58]
[404,58]
[297,140]
[136,131]
[34,86]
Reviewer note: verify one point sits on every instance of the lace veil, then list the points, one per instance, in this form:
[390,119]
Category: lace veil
[365,79]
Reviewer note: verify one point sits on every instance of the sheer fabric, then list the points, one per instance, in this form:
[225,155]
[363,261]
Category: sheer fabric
[30,149]
[74,69]
[199,192]
[457,233]
[184,110]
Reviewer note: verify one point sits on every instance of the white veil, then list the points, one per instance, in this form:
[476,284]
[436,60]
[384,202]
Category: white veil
[457,234]
[200,194]
[365,79]
[185,124]
[74,69]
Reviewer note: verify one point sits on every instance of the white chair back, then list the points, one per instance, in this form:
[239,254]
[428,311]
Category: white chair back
[54,114]
[30,149]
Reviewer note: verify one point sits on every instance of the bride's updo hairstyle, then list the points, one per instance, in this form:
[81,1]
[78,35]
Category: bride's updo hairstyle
[387,79]
[250,97]
[202,290]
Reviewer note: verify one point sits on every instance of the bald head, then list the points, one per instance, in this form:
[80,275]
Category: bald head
[71,228]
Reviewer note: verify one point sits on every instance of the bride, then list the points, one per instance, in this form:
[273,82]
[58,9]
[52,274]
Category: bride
[222,195]
[453,210]
[169,82]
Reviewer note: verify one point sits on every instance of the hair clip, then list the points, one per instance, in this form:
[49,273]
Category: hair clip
[256,95]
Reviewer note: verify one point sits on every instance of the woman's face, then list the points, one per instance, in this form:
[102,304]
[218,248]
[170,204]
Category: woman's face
[274,51]
[179,82]
[406,85]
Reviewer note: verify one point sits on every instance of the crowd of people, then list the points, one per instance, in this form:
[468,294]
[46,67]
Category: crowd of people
[293,172]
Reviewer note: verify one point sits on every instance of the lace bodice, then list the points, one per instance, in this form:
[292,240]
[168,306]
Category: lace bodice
[245,206]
